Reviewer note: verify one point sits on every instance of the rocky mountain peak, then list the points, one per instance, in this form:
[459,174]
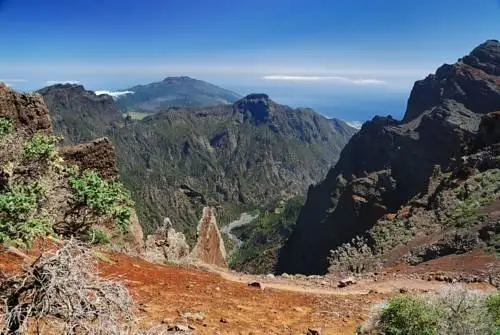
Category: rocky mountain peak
[473,81]
[485,57]
[256,106]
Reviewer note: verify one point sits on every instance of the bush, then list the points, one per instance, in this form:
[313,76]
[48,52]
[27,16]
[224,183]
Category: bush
[41,146]
[97,236]
[61,293]
[407,315]
[493,306]
[17,208]
[23,232]
[105,197]
[6,126]
[453,311]
[18,202]
[463,311]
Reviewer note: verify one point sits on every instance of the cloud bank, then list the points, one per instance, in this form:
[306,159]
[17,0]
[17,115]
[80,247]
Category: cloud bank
[355,124]
[114,94]
[326,78]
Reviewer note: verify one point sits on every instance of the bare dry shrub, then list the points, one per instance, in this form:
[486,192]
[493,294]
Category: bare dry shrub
[61,293]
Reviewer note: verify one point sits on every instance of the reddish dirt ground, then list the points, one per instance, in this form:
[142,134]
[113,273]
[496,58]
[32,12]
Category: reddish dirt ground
[283,306]
[230,307]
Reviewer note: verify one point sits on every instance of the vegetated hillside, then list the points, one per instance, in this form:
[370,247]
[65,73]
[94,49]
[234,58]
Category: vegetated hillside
[80,115]
[65,191]
[174,92]
[265,235]
[234,157]
[413,189]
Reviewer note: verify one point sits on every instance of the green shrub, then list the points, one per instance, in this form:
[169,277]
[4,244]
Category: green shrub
[97,236]
[17,208]
[105,197]
[18,202]
[41,146]
[6,126]
[452,310]
[408,315]
[493,306]
[23,232]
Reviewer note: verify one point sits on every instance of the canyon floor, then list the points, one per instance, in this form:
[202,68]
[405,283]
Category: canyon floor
[218,301]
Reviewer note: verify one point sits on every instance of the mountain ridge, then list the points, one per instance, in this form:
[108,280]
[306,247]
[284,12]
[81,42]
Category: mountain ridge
[231,157]
[389,162]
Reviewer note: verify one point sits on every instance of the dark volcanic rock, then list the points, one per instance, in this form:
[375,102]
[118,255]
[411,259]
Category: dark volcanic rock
[473,81]
[489,129]
[388,162]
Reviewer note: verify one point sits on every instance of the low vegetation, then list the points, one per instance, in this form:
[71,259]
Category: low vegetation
[19,219]
[6,126]
[105,197]
[41,146]
[263,237]
[456,310]
[479,190]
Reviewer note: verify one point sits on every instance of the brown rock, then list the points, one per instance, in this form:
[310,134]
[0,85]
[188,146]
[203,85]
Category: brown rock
[97,155]
[210,247]
[346,282]
[255,284]
[28,111]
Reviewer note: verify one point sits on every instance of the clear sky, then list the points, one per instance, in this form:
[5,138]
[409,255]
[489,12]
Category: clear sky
[330,53]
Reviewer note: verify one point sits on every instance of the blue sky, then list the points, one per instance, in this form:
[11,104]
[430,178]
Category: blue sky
[350,59]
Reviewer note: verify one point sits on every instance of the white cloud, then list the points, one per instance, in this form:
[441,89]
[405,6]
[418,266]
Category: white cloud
[355,124]
[54,82]
[114,94]
[326,78]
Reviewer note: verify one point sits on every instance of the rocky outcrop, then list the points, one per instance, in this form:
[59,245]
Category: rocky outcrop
[27,111]
[209,247]
[473,81]
[489,129]
[390,162]
[166,245]
[97,155]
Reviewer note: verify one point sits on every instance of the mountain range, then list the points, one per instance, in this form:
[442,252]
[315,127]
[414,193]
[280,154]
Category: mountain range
[235,158]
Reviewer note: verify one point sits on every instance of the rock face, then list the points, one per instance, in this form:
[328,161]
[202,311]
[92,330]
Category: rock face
[97,155]
[209,248]
[166,244]
[390,162]
[229,157]
[28,111]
